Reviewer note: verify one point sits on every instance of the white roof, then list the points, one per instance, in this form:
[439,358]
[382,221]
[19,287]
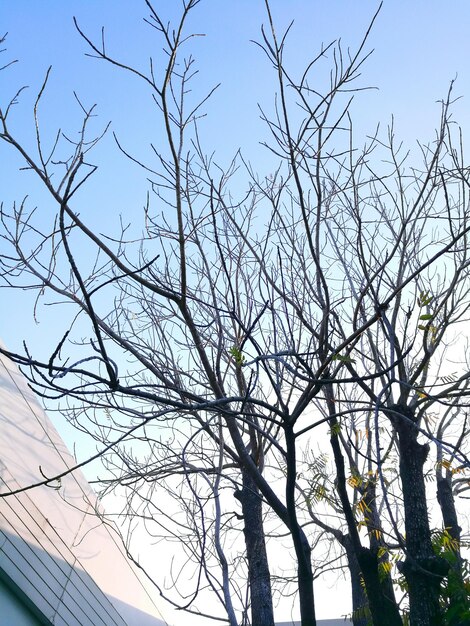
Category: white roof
[53,546]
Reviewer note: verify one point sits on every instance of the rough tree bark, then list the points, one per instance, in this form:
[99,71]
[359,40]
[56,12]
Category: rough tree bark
[383,609]
[360,603]
[446,501]
[259,578]
[456,584]
[302,547]
[382,606]
[422,569]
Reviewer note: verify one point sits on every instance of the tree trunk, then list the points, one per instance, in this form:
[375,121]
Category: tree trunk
[360,604]
[376,545]
[383,609]
[456,593]
[445,497]
[259,578]
[305,579]
[287,513]
[382,605]
[302,548]
[422,569]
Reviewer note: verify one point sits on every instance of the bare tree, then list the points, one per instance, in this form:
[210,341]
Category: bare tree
[237,326]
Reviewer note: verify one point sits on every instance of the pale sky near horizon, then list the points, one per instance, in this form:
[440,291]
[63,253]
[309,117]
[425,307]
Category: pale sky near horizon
[420,46]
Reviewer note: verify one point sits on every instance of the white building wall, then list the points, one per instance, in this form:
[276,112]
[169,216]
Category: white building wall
[13,611]
[52,544]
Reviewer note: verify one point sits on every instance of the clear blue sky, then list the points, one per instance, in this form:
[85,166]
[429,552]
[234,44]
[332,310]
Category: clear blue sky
[420,46]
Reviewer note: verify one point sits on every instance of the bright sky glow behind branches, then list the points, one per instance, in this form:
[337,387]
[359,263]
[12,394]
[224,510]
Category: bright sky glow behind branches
[420,47]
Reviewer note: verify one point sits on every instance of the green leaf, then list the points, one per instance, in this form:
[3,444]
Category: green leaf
[236,353]
[342,358]
[426,316]
[424,298]
[335,429]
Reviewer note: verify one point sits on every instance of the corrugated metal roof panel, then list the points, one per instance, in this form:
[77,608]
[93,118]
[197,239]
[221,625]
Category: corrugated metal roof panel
[60,555]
